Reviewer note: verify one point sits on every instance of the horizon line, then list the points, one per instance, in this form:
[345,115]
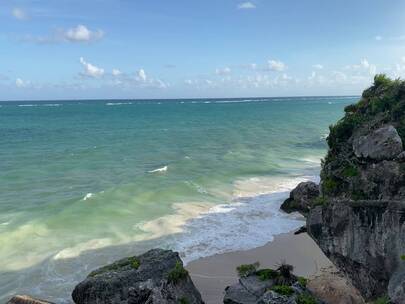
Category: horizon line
[181,98]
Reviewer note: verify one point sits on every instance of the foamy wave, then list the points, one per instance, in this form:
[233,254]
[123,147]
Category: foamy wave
[52,105]
[76,250]
[117,103]
[88,196]
[28,105]
[162,169]
[171,223]
[247,223]
[242,225]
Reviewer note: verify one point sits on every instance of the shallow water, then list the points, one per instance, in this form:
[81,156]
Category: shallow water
[112,178]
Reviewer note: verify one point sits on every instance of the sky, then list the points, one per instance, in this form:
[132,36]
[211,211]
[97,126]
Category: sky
[112,49]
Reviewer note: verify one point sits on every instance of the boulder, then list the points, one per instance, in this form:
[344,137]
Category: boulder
[301,198]
[396,286]
[156,276]
[23,299]
[383,143]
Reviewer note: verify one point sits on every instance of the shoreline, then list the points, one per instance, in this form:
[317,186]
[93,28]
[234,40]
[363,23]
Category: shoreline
[211,275]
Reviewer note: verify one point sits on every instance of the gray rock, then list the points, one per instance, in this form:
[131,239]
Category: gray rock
[301,198]
[363,239]
[271,297]
[383,143]
[254,285]
[142,279]
[396,286]
[238,294]
[23,299]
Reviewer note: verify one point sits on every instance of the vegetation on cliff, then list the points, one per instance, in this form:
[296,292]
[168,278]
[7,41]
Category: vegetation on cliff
[343,169]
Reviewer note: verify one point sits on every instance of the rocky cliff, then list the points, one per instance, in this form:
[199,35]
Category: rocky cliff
[359,218]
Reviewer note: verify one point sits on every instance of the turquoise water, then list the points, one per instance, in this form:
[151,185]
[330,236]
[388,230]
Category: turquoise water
[82,183]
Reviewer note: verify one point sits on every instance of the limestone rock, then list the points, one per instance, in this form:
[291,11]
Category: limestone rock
[156,276]
[301,198]
[364,239]
[23,299]
[396,286]
[383,143]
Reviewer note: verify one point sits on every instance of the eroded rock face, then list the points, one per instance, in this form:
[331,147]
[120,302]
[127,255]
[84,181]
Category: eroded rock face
[383,143]
[364,239]
[156,276]
[396,286]
[301,198]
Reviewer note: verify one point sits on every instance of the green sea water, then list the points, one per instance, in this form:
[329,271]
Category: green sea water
[84,182]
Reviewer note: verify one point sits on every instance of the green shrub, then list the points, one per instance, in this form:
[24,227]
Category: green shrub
[267,274]
[319,201]
[284,290]
[351,108]
[382,80]
[358,195]
[329,185]
[177,274]
[343,129]
[306,298]
[132,262]
[135,263]
[302,281]
[403,257]
[184,300]
[350,171]
[246,270]
[382,300]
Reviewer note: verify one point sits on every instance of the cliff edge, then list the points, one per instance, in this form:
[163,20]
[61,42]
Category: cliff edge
[358,219]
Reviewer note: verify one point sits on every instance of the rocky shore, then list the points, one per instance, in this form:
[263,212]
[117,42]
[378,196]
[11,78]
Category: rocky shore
[356,216]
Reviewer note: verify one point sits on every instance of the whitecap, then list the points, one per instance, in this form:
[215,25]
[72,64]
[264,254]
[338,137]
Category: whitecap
[162,169]
[88,196]
[117,103]
[52,105]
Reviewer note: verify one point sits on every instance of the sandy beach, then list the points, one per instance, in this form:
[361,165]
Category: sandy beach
[212,274]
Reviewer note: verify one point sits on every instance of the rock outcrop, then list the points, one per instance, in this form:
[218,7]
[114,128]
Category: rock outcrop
[383,143]
[301,198]
[359,220]
[23,299]
[156,276]
[267,286]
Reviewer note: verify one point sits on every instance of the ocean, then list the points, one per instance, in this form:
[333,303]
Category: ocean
[83,183]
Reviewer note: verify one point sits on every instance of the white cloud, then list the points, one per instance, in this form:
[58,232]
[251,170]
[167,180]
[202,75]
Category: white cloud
[116,72]
[91,70]
[378,38]
[21,83]
[318,66]
[81,33]
[223,71]
[275,65]
[246,5]
[142,75]
[19,14]
[364,63]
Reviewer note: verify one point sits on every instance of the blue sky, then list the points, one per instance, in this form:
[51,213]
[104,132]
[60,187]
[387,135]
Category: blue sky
[181,49]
